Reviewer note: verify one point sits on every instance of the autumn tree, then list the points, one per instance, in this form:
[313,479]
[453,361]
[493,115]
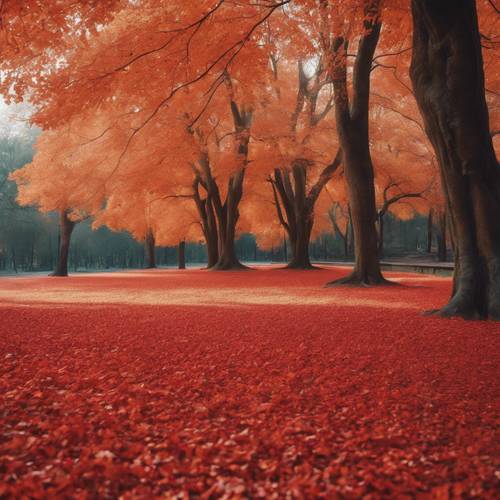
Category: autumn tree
[448,79]
[301,150]
[215,207]
[36,35]
[340,220]
[46,187]
[352,127]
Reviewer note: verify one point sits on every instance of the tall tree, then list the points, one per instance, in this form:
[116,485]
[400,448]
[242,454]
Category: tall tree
[352,118]
[448,80]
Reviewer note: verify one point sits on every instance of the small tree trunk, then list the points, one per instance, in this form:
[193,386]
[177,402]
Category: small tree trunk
[149,247]
[14,263]
[350,241]
[448,81]
[430,230]
[211,237]
[182,254]
[32,256]
[441,239]
[285,250]
[381,235]
[66,227]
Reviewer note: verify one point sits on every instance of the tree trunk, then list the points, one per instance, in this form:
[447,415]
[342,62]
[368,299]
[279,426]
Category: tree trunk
[32,256]
[359,175]
[66,227]
[207,217]
[350,235]
[182,254]
[14,264]
[228,218]
[352,127]
[430,230]
[381,235]
[149,247]
[300,242]
[448,81]
[295,209]
[441,238]
[211,237]
[345,240]
[228,213]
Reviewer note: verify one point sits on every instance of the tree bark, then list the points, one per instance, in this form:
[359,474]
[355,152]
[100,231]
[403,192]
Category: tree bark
[350,235]
[430,230]
[227,220]
[295,206]
[211,236]
[228,213]
[300,244]
[381,234]
[448,81]
[207,218]
[352,126]
[295,213]
[181,252]
[149,247]
[66,227]
[441,238]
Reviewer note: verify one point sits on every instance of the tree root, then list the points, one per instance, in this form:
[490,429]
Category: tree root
[355,280]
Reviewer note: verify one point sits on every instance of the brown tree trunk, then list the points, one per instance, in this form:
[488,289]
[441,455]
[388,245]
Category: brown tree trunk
[295,206]
[430,227]
[352,127]
[295,212]
[448,81]
[304,218]
[149,247]
[211,236]
[228,213]
[441,239]
[300,244]
[350,235]
[208,222]
[66,227]
[228,218]
[181,252]
[381,234]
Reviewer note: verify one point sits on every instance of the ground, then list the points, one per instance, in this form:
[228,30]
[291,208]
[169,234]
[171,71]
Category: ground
[243,384]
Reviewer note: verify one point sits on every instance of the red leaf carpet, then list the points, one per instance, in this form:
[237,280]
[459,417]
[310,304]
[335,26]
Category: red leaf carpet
[249,384]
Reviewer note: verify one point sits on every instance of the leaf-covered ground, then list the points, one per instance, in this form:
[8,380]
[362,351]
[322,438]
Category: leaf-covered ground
[258,384]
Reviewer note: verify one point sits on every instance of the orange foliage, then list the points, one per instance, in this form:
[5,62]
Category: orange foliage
[133,97]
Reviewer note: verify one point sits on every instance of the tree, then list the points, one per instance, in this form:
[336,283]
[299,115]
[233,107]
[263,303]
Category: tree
[51,183]
[448,80]
[352,117]
[297,185]
[405,172]
[149,248]
[36,35]
[339,217]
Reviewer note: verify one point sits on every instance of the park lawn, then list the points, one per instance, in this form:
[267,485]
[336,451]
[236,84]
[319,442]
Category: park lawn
[243,384]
